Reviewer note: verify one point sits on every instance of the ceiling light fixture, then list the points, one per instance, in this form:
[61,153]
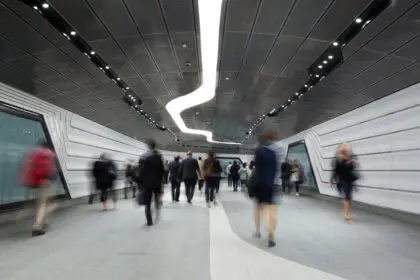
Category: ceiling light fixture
[325,62]
[359,20]
[107,67]
[36,8]
[73,33]
[209,22]
[227,78]
[92,53]
[118,79]
[320,66]
[306,85]
[127,88]
[317,75]
[184,45]
[100,68]
[45,5]
[367,22]
[296,93]
[330,57]
[335,44]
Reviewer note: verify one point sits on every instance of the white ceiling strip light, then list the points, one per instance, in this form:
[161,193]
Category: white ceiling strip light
[210,15]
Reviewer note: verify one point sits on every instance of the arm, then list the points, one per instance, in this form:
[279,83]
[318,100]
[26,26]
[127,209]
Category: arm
[197,167]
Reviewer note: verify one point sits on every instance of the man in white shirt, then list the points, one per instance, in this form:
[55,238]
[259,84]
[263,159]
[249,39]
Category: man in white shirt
[200,176]
[229,176]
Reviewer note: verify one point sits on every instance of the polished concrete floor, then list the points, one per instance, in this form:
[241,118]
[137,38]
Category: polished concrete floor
[193,242]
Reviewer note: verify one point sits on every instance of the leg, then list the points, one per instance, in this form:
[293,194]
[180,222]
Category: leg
[272,223]
[177,190]
[289,186]
[207,191]
[157,197]
[104,198]
[173,190]
[127,185]
[257,219]
[41,211]
[187,188]
[217,185]
[297,188]
[192,189]
[133,187]
[212,188]
[147,206]
[114,196]
[283,184]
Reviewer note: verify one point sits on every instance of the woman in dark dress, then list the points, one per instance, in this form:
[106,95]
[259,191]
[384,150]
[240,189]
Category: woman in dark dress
[344,175]
[264,173]
[234,172]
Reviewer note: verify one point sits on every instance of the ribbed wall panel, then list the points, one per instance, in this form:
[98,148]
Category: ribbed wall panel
[386,137]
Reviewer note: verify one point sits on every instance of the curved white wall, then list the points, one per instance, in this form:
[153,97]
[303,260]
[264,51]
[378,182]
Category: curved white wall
[385,135]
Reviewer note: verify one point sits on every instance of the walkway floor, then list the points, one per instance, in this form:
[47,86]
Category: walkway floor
[193,242]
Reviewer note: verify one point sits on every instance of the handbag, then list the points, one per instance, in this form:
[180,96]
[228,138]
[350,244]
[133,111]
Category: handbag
[140,197]
[251,185]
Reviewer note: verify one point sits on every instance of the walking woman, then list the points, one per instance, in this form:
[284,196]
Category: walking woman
[218,172]
[234,173]
[344,175]
[297,177]
[105,173]
[211,178]
[263,185]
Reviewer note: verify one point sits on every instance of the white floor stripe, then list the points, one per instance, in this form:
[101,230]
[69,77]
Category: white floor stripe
[233,258]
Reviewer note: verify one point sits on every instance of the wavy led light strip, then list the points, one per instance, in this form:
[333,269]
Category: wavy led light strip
[210,15]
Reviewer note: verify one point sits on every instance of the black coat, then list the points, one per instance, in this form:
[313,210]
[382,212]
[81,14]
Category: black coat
[105,173]
[151,170]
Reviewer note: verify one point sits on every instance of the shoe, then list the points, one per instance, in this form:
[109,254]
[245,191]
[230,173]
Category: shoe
[297,194]
[189,202]
[149,224]
[208,205]
[257,235]
[271,243]
[215,203]
[38,232]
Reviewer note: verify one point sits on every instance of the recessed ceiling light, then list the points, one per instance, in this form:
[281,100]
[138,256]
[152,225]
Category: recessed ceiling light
[118,79]
[359,20]
[330,56]
[323,77]
[45,5]
[197,113]
[288,100]
[92,53]
[36,8]
[325,62]
[296,93]
[368,21]
[184,45]
[317,75]
[335,44]
[311,87]
[127,88]
[227,78]
[73,33]
[320,66]
[100,68]
[67,36]
[188,64]
[306,85]
[282,106]
[107,67]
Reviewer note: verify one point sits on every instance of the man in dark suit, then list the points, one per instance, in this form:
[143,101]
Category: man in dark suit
[189,171]
[151,174]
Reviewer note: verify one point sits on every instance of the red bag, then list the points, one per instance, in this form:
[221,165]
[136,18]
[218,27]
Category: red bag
[38,166]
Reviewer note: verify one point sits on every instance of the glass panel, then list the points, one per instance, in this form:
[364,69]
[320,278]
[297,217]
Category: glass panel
[17,135]
[298,151]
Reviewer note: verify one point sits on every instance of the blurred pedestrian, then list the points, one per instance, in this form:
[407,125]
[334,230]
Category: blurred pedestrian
[234,173]
[218,172]
[344,175]
[286,173]
[189,172]
[105,174]
[264,189]
[151,174]
[200,176]
[173,177]
[130,179]
[211,176]
[38,173]
[243,175]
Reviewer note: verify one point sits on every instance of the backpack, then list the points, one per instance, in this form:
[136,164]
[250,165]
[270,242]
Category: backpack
[38,166]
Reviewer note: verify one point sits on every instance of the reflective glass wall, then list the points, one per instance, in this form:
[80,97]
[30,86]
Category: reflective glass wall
[18,133]
[298,151]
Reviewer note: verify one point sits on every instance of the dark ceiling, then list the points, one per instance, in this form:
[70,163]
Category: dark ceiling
[266,47]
